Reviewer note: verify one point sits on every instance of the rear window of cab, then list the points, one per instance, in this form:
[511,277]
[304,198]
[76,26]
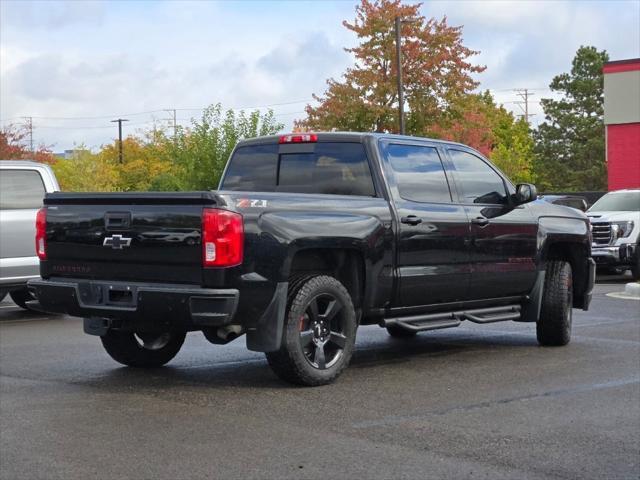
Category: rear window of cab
[338,168]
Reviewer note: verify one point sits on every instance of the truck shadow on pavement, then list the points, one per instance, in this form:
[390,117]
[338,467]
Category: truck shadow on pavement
[255,373]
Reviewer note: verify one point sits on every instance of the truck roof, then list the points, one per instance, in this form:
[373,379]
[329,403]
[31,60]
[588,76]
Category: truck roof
[20,163]
[344,137]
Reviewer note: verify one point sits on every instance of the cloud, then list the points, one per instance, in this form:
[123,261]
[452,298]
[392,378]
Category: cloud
[49,15]
[86,59]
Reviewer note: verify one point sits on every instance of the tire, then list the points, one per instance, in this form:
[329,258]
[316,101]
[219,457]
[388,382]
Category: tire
[319,332]
[635,269]
[554,325]
[142,350]
[21,297]
[399,332]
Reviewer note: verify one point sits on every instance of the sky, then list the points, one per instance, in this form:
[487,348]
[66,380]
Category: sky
[74,66]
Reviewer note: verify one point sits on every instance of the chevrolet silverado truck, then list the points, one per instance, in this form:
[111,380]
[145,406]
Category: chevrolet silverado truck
[308,237]
[615,221]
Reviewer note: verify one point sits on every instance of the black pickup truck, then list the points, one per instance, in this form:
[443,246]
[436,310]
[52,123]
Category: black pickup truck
[308,237]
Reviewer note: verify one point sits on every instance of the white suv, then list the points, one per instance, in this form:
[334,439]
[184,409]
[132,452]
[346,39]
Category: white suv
[615,221]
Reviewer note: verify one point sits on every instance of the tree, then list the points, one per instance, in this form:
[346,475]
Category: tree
[435,66]
[570,145]
[13,142]
[201,151]
[477,121]
[87,172]
[193,159]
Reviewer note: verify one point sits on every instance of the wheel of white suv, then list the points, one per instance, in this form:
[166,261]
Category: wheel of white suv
[21,297]
[319,332]
[142,349]
[635,269]
[554,325]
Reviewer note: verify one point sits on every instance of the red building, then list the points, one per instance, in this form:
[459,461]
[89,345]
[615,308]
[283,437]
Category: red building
[622,122]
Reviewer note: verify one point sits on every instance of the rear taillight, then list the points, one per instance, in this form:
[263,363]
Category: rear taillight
[299,138]
[41,234]
[222,238]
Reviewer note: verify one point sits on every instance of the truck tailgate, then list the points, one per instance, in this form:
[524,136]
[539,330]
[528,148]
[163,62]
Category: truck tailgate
[151,237]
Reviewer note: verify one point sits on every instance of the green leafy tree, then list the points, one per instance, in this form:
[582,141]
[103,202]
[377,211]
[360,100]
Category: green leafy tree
[200,152]
[192,159]
[87,172]
[570,144]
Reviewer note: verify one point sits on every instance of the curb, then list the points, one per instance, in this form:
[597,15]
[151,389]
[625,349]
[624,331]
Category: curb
[631,292]
[632,289]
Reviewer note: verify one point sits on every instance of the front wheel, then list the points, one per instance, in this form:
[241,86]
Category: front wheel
[142,349]
[319,333]
[554,325]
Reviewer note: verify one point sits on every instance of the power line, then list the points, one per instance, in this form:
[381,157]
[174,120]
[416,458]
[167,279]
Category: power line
[99,117]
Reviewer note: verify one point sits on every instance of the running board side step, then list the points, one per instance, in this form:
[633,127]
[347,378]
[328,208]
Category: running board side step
[435,321]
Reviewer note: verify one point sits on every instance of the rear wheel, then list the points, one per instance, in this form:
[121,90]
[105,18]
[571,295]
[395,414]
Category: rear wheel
[319,333]
[399,332]
[21,297]
[142,349]
[554,325]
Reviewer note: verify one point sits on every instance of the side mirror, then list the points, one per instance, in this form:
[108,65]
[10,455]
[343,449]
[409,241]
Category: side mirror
[525,193]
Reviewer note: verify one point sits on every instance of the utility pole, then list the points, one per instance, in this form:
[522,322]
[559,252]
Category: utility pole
[29,121]
[119,122]
[398,25]
[175,124]
[525,94]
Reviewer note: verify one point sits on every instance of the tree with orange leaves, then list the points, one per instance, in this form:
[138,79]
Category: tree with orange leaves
[435,65]
[12,147]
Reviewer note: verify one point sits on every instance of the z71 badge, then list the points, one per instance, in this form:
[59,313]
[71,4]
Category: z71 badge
[250,203]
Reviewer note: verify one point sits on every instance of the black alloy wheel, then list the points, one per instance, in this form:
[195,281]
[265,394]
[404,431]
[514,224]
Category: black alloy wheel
[321,331]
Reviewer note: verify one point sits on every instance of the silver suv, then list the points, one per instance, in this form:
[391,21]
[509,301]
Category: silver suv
[22,188]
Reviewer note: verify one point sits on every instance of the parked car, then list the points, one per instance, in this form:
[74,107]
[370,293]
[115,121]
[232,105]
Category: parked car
[615,220]
[574,201]
[309,237]
[23,185]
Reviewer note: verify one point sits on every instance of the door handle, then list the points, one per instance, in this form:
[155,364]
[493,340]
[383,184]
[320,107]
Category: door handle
[480,221]
[411,220]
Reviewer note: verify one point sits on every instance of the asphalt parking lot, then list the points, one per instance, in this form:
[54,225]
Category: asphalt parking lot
[472,402]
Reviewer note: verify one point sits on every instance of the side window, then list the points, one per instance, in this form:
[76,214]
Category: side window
[20,189]
[419,173]
[332,168]
[477,181]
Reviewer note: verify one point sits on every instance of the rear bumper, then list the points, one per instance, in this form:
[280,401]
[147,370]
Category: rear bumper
[139,306]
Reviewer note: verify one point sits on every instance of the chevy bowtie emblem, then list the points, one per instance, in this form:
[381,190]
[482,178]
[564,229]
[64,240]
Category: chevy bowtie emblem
[117,242]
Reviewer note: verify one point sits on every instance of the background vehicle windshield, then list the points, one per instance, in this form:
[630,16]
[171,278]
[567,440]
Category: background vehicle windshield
[612,202]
